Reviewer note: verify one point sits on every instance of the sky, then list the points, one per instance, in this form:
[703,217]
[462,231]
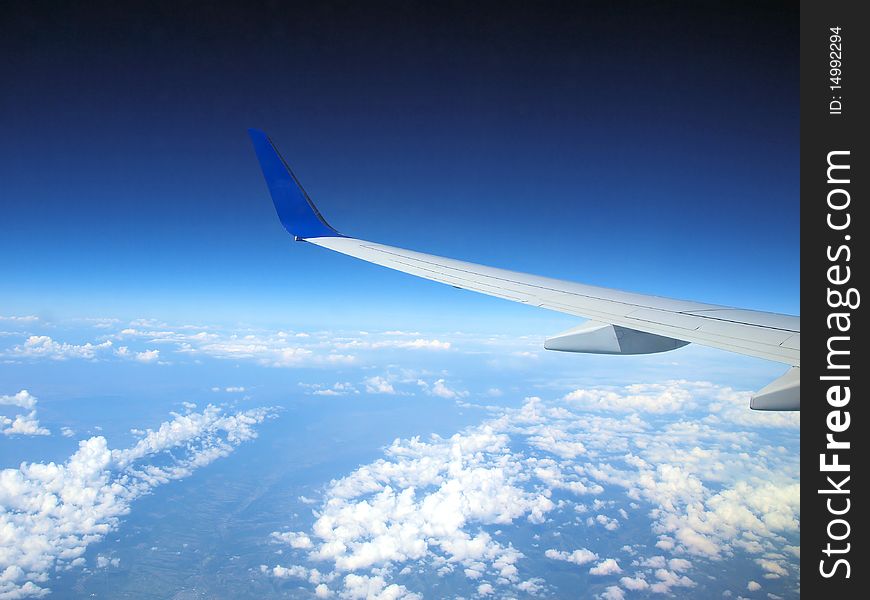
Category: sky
[632,146]
[193,403]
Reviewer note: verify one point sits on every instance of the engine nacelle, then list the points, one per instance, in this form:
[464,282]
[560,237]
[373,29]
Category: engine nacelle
[593,337]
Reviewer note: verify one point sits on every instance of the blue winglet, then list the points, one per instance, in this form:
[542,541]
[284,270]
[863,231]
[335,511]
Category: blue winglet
[295,209]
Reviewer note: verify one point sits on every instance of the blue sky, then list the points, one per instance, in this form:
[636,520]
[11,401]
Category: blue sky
[632,148]
[191,401]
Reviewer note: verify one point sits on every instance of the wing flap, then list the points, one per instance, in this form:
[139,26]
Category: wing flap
[664,317]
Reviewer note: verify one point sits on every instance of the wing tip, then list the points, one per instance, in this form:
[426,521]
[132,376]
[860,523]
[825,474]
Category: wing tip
[296,211]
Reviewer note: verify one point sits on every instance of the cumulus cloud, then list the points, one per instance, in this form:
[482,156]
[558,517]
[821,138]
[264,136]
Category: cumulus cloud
[362,587]
[23,423]
[43,346]
[578,557]
[296,539]
[667,580]
[608,523]
[148,356]
[707,490]
[50,513]
[612,592]
[22,399]
[655,398]
[426,500]
[634,583]
[379,385]
[107,561]
[440,389]
[608,566]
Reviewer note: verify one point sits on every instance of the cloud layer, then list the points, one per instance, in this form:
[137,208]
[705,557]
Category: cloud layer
[679,453]
[50,513]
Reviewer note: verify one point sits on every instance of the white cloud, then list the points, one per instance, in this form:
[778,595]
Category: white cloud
[608,566]
[275,349]
[293,571]
[608,523]
[427,500]
[773,567]
[42,346]
[634,583]
[379,385]
[148,356]
[531,586]
[22,423]
[653,562]
[338,388]
[362,587]
[612,592]
[556,441]
[418,344]
[708,490]
[578,557]
[669,579]
[106,561]
[655,398]
[22,399]
[296,539]
[753,586]
[101,322]
[679,564]
[440,389]
[52,512]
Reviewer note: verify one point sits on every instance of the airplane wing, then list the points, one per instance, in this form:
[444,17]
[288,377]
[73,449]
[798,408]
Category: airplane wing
[619,322]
